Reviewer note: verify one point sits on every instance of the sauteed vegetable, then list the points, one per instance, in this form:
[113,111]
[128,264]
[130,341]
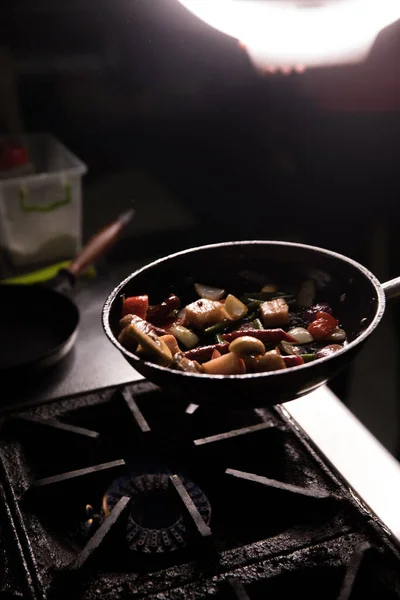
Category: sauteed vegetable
[223,334]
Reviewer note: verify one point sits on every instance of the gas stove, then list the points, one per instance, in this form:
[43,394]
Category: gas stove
[115,494]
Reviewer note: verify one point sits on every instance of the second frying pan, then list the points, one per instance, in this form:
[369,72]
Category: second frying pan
[39,323]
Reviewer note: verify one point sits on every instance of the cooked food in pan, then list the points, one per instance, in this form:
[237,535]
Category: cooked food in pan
[219,333]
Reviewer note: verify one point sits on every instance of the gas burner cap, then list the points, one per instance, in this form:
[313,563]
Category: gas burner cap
[155,523]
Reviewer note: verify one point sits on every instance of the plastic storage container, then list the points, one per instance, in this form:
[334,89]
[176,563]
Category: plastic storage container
[41,212]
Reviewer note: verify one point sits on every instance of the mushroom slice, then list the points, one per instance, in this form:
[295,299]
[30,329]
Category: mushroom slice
[127,340]
[181,363]
[125,321]
[152,346]
[271,361]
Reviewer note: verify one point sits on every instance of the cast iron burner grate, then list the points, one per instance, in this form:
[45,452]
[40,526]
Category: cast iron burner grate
[116,496]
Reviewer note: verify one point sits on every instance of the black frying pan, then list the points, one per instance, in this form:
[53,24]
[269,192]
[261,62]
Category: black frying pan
[38,323]
[356,295]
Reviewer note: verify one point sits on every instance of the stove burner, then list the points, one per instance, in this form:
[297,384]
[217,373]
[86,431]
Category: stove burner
[155,523]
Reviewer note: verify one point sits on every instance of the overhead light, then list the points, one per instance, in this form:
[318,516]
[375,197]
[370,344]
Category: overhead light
[285,34]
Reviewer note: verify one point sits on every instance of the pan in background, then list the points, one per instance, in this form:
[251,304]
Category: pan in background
[39,324]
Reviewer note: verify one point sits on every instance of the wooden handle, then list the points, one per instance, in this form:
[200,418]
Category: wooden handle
[99,244]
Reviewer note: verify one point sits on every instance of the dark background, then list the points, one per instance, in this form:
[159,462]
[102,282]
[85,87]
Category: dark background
[164,109]
[146,84]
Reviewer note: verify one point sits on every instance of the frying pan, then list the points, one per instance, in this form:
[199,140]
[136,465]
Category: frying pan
[357,297]
[39,323]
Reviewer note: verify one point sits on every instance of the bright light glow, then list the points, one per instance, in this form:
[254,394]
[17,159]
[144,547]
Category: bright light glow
[280,34]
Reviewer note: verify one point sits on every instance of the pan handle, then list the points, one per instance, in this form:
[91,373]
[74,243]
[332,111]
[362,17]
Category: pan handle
[392,289]
[98,245]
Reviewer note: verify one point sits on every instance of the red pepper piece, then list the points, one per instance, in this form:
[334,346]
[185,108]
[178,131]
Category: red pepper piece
[158,313]
[267,336]
[293,361]
[323,325]
[172,321]
[204,353]
[136,305]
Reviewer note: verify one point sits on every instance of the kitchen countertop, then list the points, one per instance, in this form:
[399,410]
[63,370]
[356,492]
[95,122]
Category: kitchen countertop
[370,470]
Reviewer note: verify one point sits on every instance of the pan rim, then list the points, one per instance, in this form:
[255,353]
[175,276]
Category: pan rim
[381,303]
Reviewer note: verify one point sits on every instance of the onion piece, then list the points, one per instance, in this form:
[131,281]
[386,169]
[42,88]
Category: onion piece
[235,308]
[185,336]
[208,292]
[290,348]
[337,335]
[301,335]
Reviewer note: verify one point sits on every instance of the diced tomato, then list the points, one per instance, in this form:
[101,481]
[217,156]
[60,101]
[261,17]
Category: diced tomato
[136,305]
[323,325]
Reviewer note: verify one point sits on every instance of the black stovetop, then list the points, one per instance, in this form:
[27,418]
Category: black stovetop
[116,495]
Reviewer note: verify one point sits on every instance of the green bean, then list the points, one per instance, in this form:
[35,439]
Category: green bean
[258,295]
[218,328]
[264,296]
[254,304]
[308,357]
[219,339]
[249,317]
